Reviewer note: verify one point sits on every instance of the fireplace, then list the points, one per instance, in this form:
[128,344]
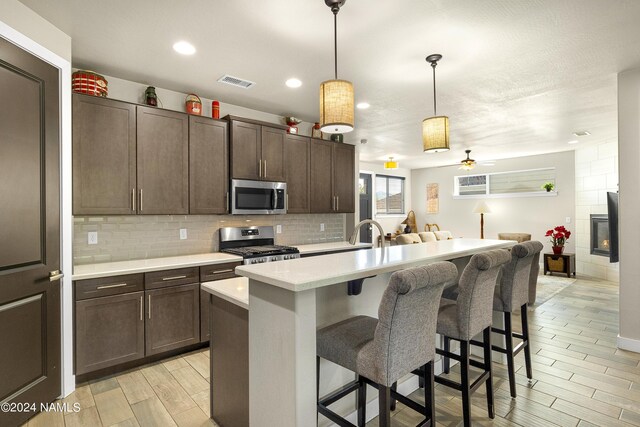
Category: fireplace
[600,242]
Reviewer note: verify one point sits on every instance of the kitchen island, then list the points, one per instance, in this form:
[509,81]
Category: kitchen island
[289,300]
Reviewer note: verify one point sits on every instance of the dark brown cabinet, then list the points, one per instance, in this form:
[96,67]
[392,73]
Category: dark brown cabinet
[173,318]
[163,161]
[297,151]
[109,331]
[209,273]
[256,150]
[208,170]
[104,156]
[332,177]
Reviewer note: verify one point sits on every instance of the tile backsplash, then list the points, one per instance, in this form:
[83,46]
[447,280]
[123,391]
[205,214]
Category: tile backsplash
[122,238]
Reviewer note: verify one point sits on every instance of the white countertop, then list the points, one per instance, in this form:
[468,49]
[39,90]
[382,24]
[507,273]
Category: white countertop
[314,272]
[330,247]
[235,290]
[105,269]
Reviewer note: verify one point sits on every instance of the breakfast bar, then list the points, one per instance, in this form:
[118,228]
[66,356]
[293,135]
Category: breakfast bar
[289,300]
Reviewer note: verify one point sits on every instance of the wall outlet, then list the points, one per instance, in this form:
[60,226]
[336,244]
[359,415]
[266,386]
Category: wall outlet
[568,220]
[183,233]
[278,229]
[92,237]
[321,227]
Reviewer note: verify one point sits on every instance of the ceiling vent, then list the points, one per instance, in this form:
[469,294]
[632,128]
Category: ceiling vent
[582,133]
[235,81]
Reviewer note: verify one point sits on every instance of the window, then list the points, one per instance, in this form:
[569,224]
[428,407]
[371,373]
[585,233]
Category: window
[504,184]
[389,195]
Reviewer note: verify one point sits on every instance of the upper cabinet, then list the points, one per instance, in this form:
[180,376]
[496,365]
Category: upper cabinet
[208,166]
[163,161]
[297,152]
[257,150]
[104,156]
[332,179]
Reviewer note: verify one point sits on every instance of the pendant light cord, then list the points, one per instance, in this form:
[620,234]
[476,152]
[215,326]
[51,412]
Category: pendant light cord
[335,41]
[433,66]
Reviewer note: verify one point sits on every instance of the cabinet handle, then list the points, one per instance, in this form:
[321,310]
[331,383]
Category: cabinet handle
[333,203]
[337,203]
[265,168]
[286,203]
[260,167]
[149,306]
[119,285]
[133,199]
[141,200]
[226,202]
[228,270]
[141,308]
[184,276]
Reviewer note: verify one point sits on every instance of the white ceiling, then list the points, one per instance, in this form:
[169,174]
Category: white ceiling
[517,76]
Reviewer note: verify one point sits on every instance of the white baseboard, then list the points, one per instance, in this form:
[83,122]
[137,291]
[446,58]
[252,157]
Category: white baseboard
[628,344]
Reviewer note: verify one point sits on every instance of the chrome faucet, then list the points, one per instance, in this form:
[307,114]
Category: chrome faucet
[356,231]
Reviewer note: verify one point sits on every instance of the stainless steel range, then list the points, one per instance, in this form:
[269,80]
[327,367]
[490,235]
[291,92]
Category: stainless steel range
[254,244]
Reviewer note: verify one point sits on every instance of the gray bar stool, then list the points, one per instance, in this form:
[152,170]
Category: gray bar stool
[467,315]
[513,294]
[381,351]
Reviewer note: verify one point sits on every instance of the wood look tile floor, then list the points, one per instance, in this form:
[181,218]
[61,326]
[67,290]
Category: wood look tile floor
[580,379]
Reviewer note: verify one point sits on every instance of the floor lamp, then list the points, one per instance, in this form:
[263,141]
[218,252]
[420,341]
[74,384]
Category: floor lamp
[482,209]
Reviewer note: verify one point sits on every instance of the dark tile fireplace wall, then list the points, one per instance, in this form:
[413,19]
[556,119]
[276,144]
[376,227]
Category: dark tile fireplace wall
[600,235]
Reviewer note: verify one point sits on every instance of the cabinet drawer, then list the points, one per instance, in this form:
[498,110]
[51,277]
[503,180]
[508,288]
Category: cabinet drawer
[162,279]
[105,286]
[209,273]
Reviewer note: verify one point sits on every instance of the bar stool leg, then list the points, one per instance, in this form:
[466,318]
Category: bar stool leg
[508,338]
[394,387]
[486,339]
[317,386]
[429,395]
[525,337]
[447,348]
[384,403]
[362,402]
[464,383]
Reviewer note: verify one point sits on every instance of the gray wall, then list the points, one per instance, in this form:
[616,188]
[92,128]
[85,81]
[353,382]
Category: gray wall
[629,158]
[534,215]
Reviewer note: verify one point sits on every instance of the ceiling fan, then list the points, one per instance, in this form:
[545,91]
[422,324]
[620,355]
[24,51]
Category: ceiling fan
[468,163]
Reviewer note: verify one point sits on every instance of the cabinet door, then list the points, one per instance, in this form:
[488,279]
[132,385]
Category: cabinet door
[344,180]
[163,161]
[245,150]
[296,165]
[273,154]
[208,166]
[173,318]
[104,156]
[109,331]
[321,173]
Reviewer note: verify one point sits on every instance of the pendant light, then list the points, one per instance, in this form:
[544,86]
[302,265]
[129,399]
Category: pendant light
[336,96]
[391,164]
[435,130]
[467,164]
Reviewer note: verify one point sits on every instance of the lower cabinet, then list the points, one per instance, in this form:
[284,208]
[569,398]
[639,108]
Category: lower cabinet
[173,318]
[205,328]
[109,331]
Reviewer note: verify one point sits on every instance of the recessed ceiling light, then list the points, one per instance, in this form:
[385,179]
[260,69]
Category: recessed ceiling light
[573,142]
[363,105]
[184,48]
[582,133]
[293,83]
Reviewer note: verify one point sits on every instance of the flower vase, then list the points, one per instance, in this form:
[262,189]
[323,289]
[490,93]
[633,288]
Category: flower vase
[557,250]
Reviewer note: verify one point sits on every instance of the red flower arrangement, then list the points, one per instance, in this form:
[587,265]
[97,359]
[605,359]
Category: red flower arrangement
[559,236]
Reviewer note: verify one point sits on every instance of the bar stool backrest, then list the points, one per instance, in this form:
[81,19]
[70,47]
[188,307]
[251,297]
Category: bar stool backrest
[475,291]
[514,284]
[405,336]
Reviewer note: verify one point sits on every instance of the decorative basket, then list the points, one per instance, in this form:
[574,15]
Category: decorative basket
[90,83]
[556,264]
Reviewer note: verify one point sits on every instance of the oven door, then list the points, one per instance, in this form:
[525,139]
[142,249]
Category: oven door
[258,197]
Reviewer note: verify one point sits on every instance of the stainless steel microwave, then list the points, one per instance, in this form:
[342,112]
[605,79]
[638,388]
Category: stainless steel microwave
[258,197]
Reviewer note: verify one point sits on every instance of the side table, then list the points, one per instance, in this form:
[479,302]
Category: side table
[565,263]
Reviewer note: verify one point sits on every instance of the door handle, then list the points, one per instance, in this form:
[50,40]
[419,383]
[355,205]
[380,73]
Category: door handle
[55,275]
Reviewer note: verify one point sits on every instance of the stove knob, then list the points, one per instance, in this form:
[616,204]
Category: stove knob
[275,258]
[262,260]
